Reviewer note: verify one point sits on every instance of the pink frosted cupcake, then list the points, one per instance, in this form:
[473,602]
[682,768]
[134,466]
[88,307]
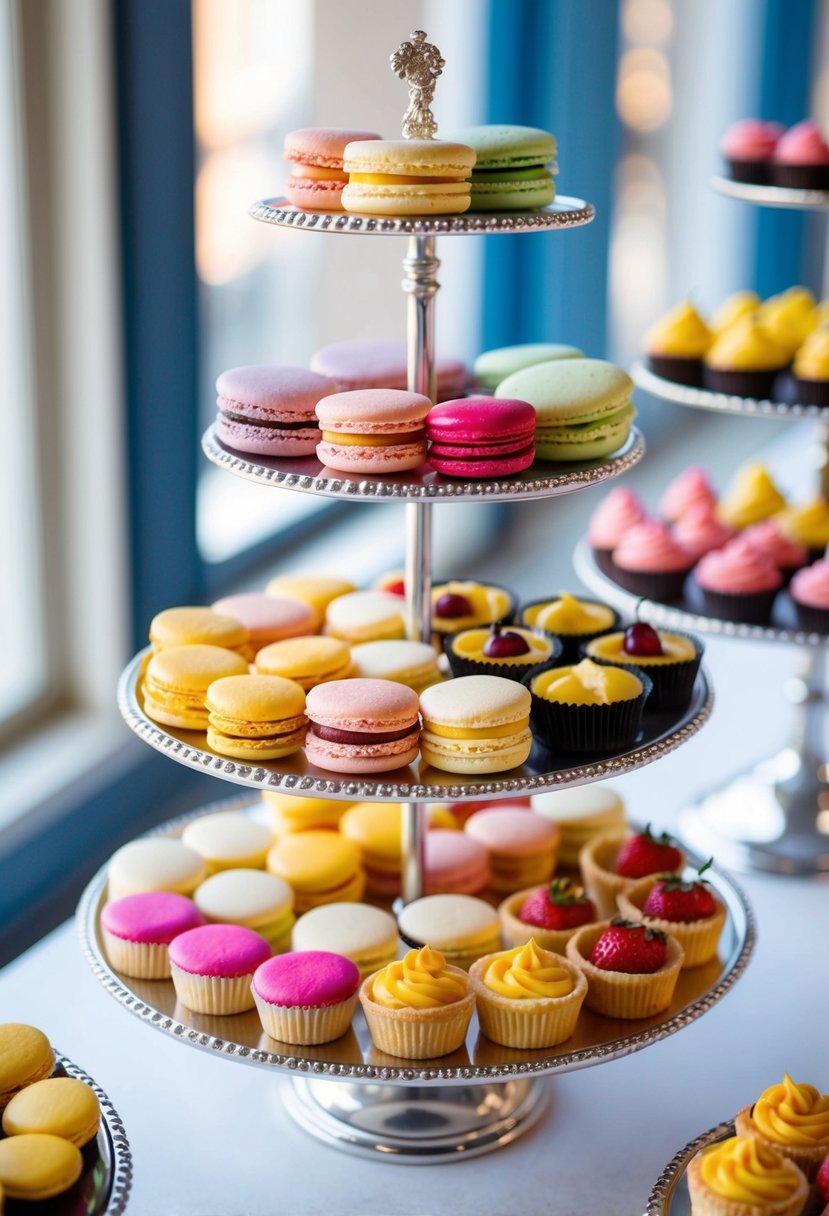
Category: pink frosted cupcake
[747,148]
[648,561]
[138,929]
[621,510]
[809,590]
[738,583]
[768,538]
[212,967]
[801,158]
[690,489]
[306,997]
[700,531]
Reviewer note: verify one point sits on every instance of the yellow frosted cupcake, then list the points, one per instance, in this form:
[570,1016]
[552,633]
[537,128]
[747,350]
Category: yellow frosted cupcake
[808,524]
[418,1007]
[752,498]
[744,360]
[734,308]
[527,997]
[791,1119]
[789,317]
[676,343]
[811,368]
[743,1177]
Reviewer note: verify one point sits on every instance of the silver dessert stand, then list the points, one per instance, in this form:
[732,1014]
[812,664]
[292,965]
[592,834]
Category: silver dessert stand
[772,196]
[104,1187]
[670,1195]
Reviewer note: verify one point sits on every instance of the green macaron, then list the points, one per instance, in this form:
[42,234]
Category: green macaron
[511,170]
[493,366]
[583,406]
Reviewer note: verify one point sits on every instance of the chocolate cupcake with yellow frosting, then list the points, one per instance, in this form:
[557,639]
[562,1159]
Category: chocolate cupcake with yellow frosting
[500,651]
[808,524]
[811,369]
[572,620]
[745,360]
[670,658]
[588,707]
[676,344]
[739,304]
[752,497]
[789,317]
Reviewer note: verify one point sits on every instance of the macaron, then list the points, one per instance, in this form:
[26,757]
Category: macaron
[58,1106]
[315,155]
[307,661]
[479,437]
[583,406]
[362,726]
[522,846]
[414,664]
[290,813]
[315,590]
[268,618]
[157,863]
[580,814]
[198,627]
[137,930]
[251,898]
[407,177]
[229,839]
[269,411]
[38,1166]
[212,967]
[321,867]
[306,997]
[366,935]
[353,365]
[365,616]
[176,682]
[373,430]
[476,724]
[462,927]
[512,166]
[255,717]
[26,1056]
[493,366]
[454,862]
[376,828]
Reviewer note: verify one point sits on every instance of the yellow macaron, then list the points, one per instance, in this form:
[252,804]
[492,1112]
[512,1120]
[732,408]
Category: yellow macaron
[197,627]
[26,1056]
[377,830]
[255,717]
[407,177]
[476,724]
[315,590]
[291,814]
[176,681]
[321,867]
[38,1166]
[309,661]
[58,1106]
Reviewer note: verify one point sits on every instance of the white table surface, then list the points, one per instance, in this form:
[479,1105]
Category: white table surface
[210,1136]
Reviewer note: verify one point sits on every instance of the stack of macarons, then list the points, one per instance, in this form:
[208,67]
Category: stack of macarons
[373,430]
[513,168]
[315,155]
[407,177]
[270,410]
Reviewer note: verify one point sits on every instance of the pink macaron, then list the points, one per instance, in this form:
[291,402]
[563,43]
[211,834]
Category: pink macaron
[522,846]
[362,725]
[306,996]
[268,618]
[455,863]
[373,430]
[316,158]
[383,365]
[270,410]
[481,437]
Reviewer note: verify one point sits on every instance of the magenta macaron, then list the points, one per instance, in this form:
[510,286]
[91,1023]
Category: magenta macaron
[316,158]
[383,365]
[270,410]
[362,725]
[481,437]
[268,618]
[138,929]
[455,863]
[307,996]
[212,967]
[373,430]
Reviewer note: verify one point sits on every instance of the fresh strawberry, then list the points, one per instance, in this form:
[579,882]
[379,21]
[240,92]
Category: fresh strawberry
[561,905]
[672,898]
[629,947]
[645,854]
[822,1180]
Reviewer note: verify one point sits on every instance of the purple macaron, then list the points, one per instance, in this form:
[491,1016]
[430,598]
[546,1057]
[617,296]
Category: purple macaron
[481,437]
[270,411]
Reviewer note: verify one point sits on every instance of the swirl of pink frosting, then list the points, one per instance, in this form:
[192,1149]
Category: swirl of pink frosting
[810,586]
[651,547]
[768,539]
[689,489]
[738,569]
[699,530]
[306,978]
[615,515]
[751,139]
[802,144]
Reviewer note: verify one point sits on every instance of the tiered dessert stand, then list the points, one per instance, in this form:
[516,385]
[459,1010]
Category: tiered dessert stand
[345,1093]
[775,817]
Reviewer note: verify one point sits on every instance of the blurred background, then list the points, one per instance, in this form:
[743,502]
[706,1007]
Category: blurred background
[134,136]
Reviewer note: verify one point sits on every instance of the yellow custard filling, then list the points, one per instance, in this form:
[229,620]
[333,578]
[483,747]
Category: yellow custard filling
[587,684]
[527,972]
[792,1114]
[470,645]
[371,441]
[319,174]
[569,615]
[476,732]
[746,1171]
[487,604]
[398,179]
[420,980]
[675,649]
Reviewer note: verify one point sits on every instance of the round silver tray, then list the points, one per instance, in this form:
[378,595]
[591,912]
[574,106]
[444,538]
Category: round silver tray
[688,613]
[661,734]
[772,196]
[564,212]
[722,403]
[353,1057]
[310,476]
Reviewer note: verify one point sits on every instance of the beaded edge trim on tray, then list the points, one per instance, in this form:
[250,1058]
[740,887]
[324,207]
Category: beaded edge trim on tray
[121,1181]
[665,1183]
[723,403]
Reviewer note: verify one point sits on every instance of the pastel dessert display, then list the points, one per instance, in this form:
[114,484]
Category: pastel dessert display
[508,651]
[291,813]
[464,603]
[789,317]
[650,562]
[321,867]
[588,707]
[38,1166]
[270,411]
[373,430]
[744,360]
[229,840]
[618,511]
[669,658]
[250,898]
[801,158]
[527,997]
[363,726]
[57,1106]
[572,619]
[583,407]
[377,364]
[407,177]
[212,966]
[738,583]
[376,828]
[808,524]
[809,590]
[580,814]
[419,1007]
[481,438]
[493,366]
[550,914]
[414,664]
[613,859]
[461,927]
[360,932]
[26,1056]
[689,490]
[255,718]
[512,170]
[522,846]
[268,618]
[307,996]
[811,368]
[365,616]
[176,681]
[307,661]
[741,1176]
[138,929]
[700,530]
[315,590]
[475,724]
[315,155]
[747,148]
[455,862]
[676,344]
[770,539]
[631,969]
[752,497]
[684,907]
[194,626]
[792,1119]
[154,863]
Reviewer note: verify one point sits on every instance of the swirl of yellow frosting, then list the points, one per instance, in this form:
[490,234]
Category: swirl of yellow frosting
[753,498]
[527,972]
[682,332]
[812,359]
[746,345]
[807,523]
[745,1170]
[792,1114]
[418,981]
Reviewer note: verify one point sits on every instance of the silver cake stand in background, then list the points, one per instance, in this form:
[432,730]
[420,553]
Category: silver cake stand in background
[670,1195]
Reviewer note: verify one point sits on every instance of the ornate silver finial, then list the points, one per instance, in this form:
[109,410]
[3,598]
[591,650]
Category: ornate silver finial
[419,63]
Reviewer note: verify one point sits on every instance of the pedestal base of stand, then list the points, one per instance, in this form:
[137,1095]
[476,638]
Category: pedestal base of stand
[773,819]
[416,1125]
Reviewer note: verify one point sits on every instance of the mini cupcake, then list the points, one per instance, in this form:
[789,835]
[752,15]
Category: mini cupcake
[700,530]
[811,368]
[671,660]
[752,498]
[500,651]
[527,997]
[419,1007]
[747,148]
[809,590]
[690,489]
[733,307]
[744,360]
[306,997]
[464,604]
[676,344]
[571,620]
[685,908]
[789,317]
[808,524]
[631,969]
[551,914]
[791,1119]
[649,562]
[138,929]
[738,584]
[769,539]
[619,511]
[801,158]
[587,707]
[611,861]
[740,1176]
[212,967]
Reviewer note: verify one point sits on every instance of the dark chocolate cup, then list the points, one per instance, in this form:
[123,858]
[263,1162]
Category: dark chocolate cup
[652,584]
[682,371]
[570,642]
[604,559]
[739,383]
[811,619]
[811,392]
[510,671]
[753,609]
[673,683]
[800,177]
[595,729]
[506,619]
[757,172]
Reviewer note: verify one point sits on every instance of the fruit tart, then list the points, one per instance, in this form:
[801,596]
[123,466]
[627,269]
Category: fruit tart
[500,651]
[631,969]
[793,1120]
[611,861]
[685,908]
[671,659]
[551,914]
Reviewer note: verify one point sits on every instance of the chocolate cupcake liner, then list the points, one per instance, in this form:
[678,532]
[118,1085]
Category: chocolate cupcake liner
[570,642]
[650,584]
[673,683]
[756,172]
[739,383]
[754,609]
[680,370]
[589,728]
[604,560]
[800,177]
[460,666]
[810,618]
[811,392]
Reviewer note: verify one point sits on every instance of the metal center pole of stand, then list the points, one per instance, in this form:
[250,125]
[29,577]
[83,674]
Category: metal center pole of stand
[420,283]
